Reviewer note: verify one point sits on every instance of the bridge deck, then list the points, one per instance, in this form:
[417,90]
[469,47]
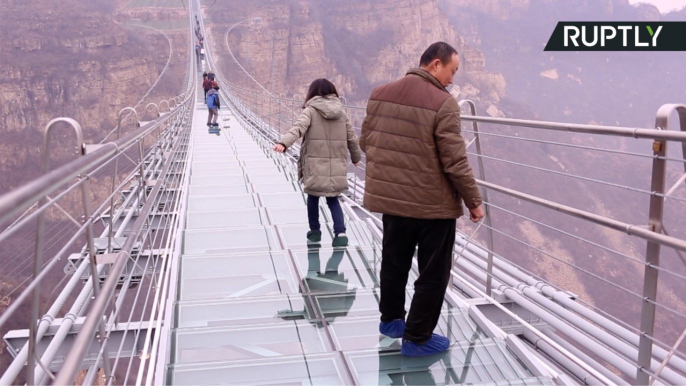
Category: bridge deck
[257,305]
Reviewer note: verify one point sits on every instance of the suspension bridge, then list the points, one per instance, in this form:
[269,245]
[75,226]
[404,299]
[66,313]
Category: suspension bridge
[193,267]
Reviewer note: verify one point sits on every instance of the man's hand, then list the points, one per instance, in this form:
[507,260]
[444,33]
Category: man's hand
[477,213]
[279,148]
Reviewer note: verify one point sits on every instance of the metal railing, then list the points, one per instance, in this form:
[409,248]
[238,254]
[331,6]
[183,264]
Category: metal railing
[104,279]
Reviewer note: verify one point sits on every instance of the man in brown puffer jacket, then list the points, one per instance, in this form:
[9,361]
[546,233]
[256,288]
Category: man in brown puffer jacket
[417,176]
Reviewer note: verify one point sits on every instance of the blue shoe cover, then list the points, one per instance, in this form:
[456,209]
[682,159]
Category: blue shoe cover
[436,344]
[393,329]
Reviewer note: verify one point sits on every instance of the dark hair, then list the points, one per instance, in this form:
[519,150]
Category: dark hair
[438,50]
[320,87]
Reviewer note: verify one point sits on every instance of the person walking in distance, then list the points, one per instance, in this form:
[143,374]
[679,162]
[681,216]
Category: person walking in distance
[417,176]
[213,105]
[206,84]
[327,137]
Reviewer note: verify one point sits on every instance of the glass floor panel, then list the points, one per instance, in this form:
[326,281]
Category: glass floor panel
[253,157]
[248,342]
[261,162]
[216,147]
[272,200]
[365,303]
[264,178]
[222,202]
[217,190]
[229,240]
[199,266]
[294,235]
[310,370]
[237,286]
[224,219]
[218,179]
[209,165]
[258,305]
[361,333]
[294,215]
[477,362]
[217,169]
[334,270]
[262,169]
[214,158]
[250,154]
[278,187]
[242,311]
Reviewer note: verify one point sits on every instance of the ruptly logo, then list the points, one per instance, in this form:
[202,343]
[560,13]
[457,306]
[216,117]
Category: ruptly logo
[618,36]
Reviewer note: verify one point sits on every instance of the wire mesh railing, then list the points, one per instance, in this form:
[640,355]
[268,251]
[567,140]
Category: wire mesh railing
[51,281]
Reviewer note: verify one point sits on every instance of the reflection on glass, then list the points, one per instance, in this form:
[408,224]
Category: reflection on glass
[311,369]
[197,345]
[236,312]
[322,282]
[472,361]
[393,372]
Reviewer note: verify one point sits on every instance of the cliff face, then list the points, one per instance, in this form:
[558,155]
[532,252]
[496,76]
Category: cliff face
[71,59]
[357,44]
[567,86]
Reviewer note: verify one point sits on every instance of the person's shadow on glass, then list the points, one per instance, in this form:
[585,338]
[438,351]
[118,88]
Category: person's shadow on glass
[337,299]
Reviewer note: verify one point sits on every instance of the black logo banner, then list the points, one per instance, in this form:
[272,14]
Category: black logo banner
[618,36]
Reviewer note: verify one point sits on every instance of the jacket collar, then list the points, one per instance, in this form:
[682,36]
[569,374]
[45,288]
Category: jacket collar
[426,76]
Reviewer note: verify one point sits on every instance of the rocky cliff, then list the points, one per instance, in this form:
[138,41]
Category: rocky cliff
[357,44]
[72,58]
[581,87]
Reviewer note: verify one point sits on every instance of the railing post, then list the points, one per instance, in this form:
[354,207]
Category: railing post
[167,103]
[40,228]
[157,109]
[90,235]
[116,172]
[484,192]
[655,215]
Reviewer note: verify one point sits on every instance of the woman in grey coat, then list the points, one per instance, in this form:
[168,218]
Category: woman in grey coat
[328,143]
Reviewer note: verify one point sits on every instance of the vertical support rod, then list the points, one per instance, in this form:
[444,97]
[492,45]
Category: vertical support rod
[40,228]
[655,216]
[484,192]
[114,177]
[90,235]
[650,275]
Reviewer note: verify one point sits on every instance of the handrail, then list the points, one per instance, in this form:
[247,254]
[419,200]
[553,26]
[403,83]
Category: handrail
[633,230]
[18,200]
[657,134]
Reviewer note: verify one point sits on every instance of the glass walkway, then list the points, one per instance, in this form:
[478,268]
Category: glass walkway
[257,305]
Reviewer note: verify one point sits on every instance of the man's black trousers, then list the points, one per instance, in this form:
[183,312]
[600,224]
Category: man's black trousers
[435,240]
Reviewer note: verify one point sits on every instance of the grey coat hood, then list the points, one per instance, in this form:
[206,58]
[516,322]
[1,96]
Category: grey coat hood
[330,107]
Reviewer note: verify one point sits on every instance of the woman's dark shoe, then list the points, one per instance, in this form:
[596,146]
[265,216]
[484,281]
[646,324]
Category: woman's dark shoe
[314,236]
[341,240]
